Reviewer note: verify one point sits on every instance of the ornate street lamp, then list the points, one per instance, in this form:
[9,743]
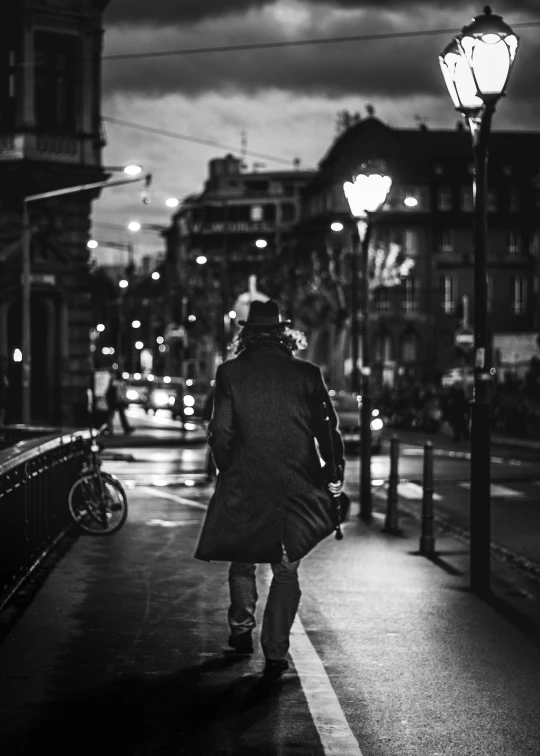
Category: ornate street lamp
[476,66]
[366,194]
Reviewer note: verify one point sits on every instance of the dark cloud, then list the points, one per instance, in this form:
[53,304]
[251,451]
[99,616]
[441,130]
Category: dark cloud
[170,12]
[384,67]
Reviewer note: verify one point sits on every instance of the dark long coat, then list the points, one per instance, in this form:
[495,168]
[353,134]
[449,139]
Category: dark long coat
[270,488]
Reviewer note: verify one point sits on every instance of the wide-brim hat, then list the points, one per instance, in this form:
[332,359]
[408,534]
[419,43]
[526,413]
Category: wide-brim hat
[264,315]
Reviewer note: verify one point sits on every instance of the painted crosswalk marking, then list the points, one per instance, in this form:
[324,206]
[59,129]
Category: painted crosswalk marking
[498,490]
[407,490]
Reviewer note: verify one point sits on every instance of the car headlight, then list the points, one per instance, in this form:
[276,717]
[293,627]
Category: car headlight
[188,410]
[161,398]
[189,401]
[376,424]
[132,395]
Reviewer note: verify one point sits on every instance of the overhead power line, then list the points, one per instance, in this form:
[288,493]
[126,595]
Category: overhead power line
[197,140]
[296,43]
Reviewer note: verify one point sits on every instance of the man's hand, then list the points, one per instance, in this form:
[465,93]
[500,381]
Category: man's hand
[335,488]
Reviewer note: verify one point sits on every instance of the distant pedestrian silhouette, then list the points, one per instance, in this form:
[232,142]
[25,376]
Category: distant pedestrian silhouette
[116,399]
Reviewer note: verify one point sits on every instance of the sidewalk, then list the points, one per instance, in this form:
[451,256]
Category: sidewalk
[123,651]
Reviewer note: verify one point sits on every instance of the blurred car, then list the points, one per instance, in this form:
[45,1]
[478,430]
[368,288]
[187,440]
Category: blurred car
[457,377]
[137,390]
[189,404]
[163,393]
[347,407]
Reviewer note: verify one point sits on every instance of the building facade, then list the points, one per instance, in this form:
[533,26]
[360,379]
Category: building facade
[428,216]
[238,227]
[50,138]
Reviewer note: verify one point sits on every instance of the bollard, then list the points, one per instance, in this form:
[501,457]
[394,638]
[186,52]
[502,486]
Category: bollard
[427,539]
[391,521]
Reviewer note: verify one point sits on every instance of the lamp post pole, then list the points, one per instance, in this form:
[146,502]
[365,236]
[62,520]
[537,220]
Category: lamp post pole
[476,66]
[355,253]
[480,409]
[364,234]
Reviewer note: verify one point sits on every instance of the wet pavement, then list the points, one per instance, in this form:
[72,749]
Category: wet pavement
[123,647]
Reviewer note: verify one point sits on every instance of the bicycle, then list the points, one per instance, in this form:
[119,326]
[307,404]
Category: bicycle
[97,500]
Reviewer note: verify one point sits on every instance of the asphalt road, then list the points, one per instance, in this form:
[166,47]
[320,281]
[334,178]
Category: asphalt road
[515,490]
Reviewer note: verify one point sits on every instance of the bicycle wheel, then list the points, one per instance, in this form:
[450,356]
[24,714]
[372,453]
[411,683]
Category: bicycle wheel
[98,503]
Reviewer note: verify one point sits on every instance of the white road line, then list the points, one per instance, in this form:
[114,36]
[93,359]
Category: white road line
[336,736]
[497,490]
[159,494]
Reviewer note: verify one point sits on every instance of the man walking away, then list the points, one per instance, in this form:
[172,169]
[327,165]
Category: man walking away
[270,504]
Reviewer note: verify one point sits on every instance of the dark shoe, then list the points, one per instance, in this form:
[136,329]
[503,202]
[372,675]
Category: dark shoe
[242,644]
[274,669]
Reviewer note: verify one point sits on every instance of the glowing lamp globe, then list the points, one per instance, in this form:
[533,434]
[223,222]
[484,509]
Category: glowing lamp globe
[367,192]
[489,46]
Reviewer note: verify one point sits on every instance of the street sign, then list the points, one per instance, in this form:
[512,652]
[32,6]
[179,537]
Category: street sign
[464,338]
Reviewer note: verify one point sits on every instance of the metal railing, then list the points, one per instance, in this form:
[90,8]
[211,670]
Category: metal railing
[35,477]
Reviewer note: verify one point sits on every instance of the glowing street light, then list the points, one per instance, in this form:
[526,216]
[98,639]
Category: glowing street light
[100,327]
[91,244]
[476,66]
[201,260]
[366,194]
[261,243]
[139,345]
[156,276]
[132,169]
[134,226]
[123,284]
[232,314]
[136,324]
[172,202]
[336,226]
[410,201]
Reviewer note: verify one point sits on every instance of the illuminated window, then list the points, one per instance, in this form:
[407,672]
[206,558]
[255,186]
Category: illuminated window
[444,198]
[449,294]
[445,241]
[513,243]
[519,295]
[466,199]
[410,298]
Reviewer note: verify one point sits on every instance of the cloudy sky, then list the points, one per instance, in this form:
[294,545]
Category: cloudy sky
[285,99]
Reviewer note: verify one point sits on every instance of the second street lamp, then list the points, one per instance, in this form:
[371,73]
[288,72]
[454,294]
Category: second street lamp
[366,194]
[476,66]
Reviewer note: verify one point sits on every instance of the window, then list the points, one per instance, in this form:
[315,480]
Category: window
[411,242]
[449,294]
[445,241]
[256,213]
[55,87]
[513,201]
[489,303]
[409,347]
[7,88]
[492,201]
[513,243]
[444,198]
[519,295]
[381,300]
[288,212]
[466,199]
[410,303]
[383,347]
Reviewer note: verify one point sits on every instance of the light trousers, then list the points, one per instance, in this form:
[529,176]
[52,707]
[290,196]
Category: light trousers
[281,604]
